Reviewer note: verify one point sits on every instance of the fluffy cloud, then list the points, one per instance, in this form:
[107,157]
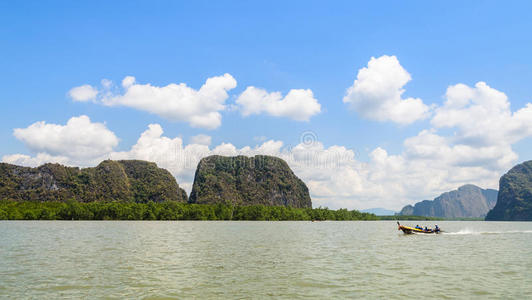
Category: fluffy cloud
[298,104]
[481,116]
[176,102]
[377,92]
[33,161]
[478,149]
[201,139]
[200,108]
[80,139]
[83,93]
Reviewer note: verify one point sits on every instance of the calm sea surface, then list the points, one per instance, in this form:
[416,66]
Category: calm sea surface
[165,260]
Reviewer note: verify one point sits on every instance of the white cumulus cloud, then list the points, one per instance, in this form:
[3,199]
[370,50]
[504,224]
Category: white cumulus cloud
[79,139]
[34,161]
[201,139]
[83,93]
[481,116]
[298,104]
[176,102]
[377,93]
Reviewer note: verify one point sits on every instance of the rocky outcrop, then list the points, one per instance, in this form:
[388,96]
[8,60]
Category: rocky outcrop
[124,180]
[468,201]
[407,211]
[241,180]
[514,202]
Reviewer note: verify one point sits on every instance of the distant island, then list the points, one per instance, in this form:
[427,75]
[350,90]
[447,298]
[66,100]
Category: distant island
[514,202]
[468,201]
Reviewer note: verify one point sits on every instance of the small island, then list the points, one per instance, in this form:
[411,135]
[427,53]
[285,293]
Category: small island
[241,180]
[225,188]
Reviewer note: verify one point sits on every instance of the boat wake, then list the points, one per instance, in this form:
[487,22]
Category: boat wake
[473,232]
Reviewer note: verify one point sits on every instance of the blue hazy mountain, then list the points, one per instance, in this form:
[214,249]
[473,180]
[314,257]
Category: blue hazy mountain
[468,201]
[379,211]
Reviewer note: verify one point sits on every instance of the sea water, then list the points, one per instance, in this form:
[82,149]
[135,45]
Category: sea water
[292,260]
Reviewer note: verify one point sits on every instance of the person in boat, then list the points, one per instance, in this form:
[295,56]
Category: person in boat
[436,228]
[418,227]
[426,229]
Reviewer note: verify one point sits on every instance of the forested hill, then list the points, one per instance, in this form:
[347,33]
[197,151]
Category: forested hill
[242,180]
[124,180]
[514,202]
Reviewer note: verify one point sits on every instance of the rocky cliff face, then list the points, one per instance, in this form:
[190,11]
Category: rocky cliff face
[241,180]
[125,180]
[514,202]
[468,201]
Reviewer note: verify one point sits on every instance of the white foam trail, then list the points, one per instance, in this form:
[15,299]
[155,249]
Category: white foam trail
[472,232]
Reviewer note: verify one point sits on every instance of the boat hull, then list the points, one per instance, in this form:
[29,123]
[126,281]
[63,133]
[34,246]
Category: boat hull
[413,230]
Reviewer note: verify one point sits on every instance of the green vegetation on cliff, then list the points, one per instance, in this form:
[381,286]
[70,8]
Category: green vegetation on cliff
[241,180]
[514,202]
[170,210]
[125,180]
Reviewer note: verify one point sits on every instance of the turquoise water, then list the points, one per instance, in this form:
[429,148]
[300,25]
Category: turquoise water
[293,260]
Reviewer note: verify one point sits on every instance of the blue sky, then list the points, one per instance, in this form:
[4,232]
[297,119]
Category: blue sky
[50,47]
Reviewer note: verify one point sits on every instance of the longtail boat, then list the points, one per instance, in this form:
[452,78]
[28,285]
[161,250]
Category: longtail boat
[413,230]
